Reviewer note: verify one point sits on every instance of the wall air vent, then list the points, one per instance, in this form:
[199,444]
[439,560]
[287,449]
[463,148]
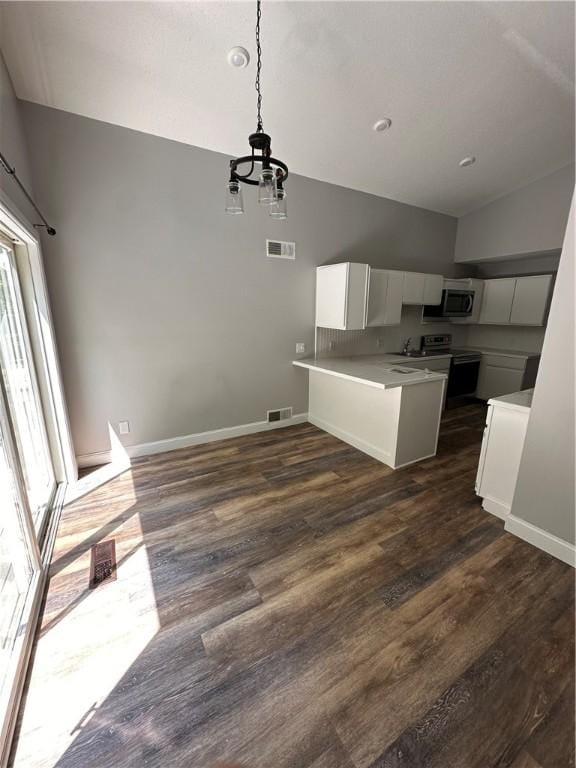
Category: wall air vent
[280,415]
[276,249]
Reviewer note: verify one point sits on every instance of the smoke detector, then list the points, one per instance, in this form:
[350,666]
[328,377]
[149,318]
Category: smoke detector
[382,125]
[238,57]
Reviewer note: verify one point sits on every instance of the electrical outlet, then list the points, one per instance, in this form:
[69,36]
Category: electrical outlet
[300,347]
[124,427]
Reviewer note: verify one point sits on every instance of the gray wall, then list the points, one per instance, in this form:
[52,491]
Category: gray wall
[545,489]
[167,312]
[529,220]
[12,142]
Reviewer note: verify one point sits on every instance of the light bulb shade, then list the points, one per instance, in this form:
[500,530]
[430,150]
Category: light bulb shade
[266,187]
[278,209]
[234,201]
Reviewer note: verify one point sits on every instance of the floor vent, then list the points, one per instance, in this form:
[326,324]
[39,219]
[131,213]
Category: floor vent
[277,249]
[102,563]
[280,415]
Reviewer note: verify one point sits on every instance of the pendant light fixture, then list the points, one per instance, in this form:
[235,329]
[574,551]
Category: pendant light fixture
[265,172]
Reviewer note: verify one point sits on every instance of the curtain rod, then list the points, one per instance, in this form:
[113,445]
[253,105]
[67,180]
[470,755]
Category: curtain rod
[12,172]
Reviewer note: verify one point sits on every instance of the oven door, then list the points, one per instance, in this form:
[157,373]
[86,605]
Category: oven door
[457,303]
[463,377]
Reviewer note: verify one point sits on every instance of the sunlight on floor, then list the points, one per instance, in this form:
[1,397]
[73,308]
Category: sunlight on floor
[120,463]
[90,639]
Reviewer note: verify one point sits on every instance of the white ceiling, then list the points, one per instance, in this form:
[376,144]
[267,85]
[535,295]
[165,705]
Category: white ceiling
[491,79]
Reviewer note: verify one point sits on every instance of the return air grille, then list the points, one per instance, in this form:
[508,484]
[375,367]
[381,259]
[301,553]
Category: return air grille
[277,249]
[102,563]
[280,415]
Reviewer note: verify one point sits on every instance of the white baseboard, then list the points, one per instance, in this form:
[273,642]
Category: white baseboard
[496,507]
[556,547]
[185,441]
[356,442]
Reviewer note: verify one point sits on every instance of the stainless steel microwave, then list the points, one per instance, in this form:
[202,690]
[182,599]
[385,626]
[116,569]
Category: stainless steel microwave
[455,303]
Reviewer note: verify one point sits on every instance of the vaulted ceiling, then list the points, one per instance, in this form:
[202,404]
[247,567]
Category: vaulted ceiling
[489,79]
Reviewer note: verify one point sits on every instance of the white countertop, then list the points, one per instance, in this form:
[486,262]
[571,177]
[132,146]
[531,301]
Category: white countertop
[503,352]
[516,401]
[381,371]
[395,358]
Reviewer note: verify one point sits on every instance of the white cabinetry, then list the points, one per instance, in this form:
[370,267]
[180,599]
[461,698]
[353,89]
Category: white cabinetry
[433,285]
[420,288]
[384,297]
[503,374]
[530,300]
[341,296]
[504,435]
[353,296]
[515,300]
[439,365]
[497,300]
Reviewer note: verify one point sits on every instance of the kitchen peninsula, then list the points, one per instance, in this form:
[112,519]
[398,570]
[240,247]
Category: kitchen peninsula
[384,408]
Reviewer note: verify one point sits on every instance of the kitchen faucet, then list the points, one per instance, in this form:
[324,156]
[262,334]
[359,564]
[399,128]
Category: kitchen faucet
[407,344]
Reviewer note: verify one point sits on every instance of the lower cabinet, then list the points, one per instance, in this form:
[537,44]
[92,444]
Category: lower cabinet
[501,375]
[500,456]
[440,366]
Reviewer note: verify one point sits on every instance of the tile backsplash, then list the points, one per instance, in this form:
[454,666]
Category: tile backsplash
[372,341]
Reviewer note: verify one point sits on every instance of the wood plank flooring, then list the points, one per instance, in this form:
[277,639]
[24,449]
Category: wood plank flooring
[284,601]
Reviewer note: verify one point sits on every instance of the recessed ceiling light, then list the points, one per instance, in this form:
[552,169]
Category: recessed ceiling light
[466,161]
[382,125]
[238,57]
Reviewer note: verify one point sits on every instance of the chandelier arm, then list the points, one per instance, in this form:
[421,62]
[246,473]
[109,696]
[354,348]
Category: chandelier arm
[253,159]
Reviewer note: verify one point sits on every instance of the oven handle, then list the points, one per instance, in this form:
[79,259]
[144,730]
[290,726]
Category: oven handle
[464,362]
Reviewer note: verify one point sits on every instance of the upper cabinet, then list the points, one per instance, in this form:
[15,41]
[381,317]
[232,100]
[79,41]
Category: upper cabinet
[351,297]
[341,296]
[531,300]
[384,297]
[497,301]
[515,300]
[421,288]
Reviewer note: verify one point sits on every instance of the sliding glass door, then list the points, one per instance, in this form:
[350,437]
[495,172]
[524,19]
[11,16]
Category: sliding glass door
[27,487]
[19,563]
[22,394]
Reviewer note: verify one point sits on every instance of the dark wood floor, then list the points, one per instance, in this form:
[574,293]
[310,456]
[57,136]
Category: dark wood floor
[284,601]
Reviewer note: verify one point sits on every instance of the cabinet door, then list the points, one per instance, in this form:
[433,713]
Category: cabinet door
[497,301]
[331,288]
[341,294]
[433,285]
[356,296]
[494,381]
[413,290]
[395,292]
[384,298]
[530,300]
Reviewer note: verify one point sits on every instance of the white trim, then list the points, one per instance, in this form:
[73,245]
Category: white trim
[496,507]
[19,225]
[185,441]
[559,548]
[26,641]
[354,440]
